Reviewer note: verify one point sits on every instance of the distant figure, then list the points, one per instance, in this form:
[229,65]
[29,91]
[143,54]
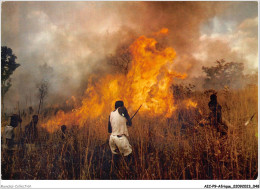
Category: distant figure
[31,131]
[215,116]
[63,131]
[216,112]
[117,126]
[9,130]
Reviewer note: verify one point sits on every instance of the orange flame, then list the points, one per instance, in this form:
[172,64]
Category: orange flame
[190,103]
[147,82]
[163,31]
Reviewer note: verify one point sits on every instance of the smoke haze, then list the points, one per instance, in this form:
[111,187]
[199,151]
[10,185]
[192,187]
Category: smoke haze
[65,42]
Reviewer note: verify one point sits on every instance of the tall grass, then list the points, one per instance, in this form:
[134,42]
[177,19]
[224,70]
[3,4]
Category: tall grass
[163,148]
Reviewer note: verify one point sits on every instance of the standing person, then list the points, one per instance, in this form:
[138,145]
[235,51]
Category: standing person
[215,115]
[117,126]
[7,164]
[9,130]
[31,131]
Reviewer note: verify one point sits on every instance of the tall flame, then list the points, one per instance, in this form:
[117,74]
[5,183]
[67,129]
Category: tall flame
[147,82]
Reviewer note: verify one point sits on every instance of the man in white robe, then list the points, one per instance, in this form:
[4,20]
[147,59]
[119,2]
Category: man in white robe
[119,119]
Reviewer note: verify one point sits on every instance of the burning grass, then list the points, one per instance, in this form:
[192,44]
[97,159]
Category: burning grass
[176,147]
[147,83]
[167,138]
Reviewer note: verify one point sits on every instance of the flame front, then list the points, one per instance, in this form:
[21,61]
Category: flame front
[147,82]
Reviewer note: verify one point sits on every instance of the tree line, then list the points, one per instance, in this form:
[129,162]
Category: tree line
[8,66]
[222,74]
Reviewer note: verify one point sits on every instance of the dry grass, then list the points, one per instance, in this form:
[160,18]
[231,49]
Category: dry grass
[168,148]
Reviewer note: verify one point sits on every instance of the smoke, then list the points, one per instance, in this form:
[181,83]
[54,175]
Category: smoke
[74,39]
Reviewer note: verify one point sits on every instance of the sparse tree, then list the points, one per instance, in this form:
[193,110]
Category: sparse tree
[121,60]
[8,66]
[43,91]
[43,86]
[224,74]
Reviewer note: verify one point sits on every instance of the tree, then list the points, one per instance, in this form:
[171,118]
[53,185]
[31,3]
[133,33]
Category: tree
[44,84]
[8,66]
[121,60]
[224,74]
[43,91]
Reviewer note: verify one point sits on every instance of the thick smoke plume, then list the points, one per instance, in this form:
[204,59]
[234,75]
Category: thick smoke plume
[66,42]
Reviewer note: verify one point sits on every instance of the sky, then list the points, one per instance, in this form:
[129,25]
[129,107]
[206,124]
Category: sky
[66,42]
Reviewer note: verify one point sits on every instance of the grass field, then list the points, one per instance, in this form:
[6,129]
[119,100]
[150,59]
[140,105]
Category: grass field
[163,148]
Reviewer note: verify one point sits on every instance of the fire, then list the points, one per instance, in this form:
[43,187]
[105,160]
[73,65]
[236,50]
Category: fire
[147,82]
[190,103]
[163,31]
[149,77]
